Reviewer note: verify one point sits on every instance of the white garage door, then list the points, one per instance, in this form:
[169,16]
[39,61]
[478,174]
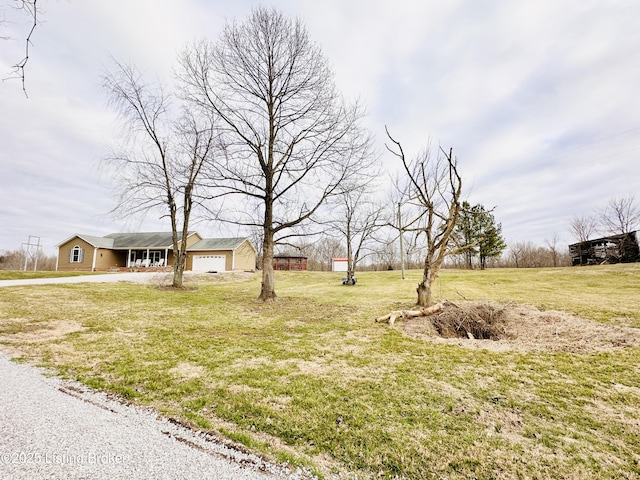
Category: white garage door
[209,263]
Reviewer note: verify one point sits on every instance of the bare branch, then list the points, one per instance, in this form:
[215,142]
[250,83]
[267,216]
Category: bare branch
[31,9]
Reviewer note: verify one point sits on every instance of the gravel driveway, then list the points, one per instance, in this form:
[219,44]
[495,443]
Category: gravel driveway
[137,277]
[55,429]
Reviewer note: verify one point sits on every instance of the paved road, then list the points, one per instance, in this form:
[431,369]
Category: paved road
[51,428]
[136,277]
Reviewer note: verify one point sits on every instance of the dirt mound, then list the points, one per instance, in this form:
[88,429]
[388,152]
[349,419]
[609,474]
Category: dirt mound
[517,327]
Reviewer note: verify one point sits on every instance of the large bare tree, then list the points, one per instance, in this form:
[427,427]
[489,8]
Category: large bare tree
[164,155]
[432,189]
[290,139]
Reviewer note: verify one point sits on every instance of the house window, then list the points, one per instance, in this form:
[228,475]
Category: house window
[76,255]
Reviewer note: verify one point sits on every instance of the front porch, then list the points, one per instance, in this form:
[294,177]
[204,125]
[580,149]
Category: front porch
[142,269]
[147,259]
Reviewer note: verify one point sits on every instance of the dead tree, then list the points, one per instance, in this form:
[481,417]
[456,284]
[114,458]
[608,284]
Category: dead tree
[432,188]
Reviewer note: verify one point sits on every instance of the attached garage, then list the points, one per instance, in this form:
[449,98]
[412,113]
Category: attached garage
[209,263]
[221,255]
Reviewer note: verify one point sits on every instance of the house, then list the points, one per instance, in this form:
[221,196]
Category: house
[125,251]
[624,248]
[289,262]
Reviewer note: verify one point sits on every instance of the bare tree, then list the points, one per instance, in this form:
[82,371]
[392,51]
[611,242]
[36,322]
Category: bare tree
[553,248]
[357,218]
[433,187]
[583,227]
[290,140]
[620,215]
[164,155]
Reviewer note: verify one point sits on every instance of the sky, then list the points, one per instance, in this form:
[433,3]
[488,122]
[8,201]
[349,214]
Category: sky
[539,99]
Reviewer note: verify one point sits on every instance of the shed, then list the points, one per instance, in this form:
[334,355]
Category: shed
[339,264]
[289,262]
[623,248]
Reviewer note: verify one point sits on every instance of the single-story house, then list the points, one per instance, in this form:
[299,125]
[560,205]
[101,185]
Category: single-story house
[121,251]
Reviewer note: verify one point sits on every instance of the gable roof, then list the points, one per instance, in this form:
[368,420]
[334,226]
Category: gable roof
[157,240]
[143,240]
[98,242]
[218,243]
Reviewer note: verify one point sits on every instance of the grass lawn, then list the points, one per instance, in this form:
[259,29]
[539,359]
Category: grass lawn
[312,380]
[20,275]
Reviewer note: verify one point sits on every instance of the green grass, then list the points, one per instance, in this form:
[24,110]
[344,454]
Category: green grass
[21,275]
[312,380]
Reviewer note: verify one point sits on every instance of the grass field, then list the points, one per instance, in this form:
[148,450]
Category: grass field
[312,380]
[20,275]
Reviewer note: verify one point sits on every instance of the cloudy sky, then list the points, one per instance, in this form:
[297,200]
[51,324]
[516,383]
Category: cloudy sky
[540,99]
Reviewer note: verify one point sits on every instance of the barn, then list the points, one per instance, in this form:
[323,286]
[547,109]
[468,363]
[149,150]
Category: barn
[289,262]
[623,248]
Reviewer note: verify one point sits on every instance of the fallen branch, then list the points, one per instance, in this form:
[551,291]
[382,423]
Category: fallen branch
[422,312]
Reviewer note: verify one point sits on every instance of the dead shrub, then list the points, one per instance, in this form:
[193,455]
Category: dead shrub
[482,321]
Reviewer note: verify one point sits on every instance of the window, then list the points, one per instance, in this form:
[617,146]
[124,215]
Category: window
[76,255]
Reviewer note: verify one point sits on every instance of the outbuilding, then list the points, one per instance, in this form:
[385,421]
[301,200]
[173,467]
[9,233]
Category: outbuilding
[289,262]
[339,264]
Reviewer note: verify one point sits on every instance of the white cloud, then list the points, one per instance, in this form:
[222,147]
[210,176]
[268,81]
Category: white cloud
[537,98]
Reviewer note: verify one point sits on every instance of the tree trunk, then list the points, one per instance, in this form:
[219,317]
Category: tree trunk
[424,293]
[268,284]
[178,270]
[424,287]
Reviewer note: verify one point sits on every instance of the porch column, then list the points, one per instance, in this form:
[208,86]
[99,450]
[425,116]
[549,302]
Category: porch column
[129,258]
[166,257]
[148,259]
[95,254]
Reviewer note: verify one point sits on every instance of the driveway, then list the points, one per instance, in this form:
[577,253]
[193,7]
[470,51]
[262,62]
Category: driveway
[136,277]
[50,428]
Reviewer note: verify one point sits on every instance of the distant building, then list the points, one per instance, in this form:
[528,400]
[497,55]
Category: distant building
[624,248]
[289,262]
[339,264]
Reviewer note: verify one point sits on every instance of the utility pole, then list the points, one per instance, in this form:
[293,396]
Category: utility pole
[401,246]
[31,251]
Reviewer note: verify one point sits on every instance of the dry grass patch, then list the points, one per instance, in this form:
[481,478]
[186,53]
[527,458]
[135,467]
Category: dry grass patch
[187,371]
[40,332]
[518,327]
